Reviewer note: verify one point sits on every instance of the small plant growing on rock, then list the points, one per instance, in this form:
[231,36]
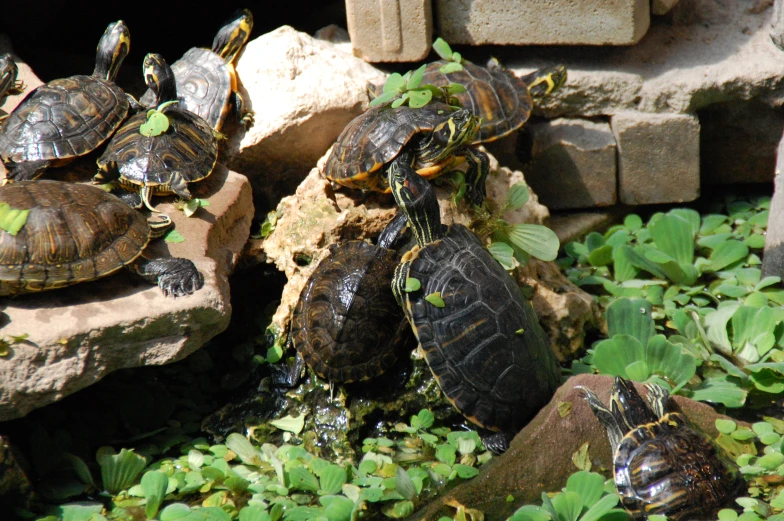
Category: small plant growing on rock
[408,89]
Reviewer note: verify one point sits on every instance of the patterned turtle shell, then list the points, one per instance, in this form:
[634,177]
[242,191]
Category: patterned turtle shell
[67,117]
[663,463]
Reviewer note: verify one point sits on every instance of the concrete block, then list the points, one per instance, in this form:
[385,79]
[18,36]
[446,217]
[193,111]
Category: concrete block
[658,157]
[573,163]
[542,22]
[659,7]
[390,30]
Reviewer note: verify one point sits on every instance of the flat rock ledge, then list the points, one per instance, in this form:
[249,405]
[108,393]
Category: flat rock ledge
[78,335]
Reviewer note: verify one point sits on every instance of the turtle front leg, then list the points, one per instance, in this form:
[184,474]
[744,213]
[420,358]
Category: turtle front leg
[399,283]
[179,186]
[244,116]
[26,170]
[476,176]
[174,275]
[496,442]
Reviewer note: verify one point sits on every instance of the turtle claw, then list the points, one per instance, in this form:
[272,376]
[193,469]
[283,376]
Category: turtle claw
[497,442]
[181,279]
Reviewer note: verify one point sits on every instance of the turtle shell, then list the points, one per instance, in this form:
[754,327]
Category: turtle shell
[347,325]
[73,233]
[376,137]
[204,85]
[188,147]
[63,119]
[671,467]
[496,95]
[485,347]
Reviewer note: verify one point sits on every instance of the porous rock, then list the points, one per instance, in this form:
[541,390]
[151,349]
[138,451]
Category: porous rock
[77,335]
[540,456]
[303,90]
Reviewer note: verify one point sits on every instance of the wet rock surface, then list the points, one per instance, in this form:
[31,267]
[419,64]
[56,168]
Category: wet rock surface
[540,456]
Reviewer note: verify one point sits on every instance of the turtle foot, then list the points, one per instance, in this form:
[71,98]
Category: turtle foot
[496,442]
[175,276]
[26,170]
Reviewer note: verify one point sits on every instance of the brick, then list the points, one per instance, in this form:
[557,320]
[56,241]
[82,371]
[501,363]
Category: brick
[543,22]
[390,30]
[658,157]
[573,163]
[659,7]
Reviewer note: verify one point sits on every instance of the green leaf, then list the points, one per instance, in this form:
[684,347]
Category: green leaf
[157,123]
[614,355]
[80,468]
[11,219]
[154,485]
[174,236]
[412,284]
[253,513]
[446,453]
[290,424]
[398,102]
[403,484]
[241,446]
[394,84]
[673,235]
[302,514]
[518,195]
[301,479]
[466,472]
[384,98]
[537,240]
[425,418]
[119,471]
[636,257]
[630,317]
[726,426]
[332,479]
[720,390]
[398,509]
[189,207]
[602,507]
[337,508]
[442,48]
[568,505]
[450,67]
[725,254]
[416,78]
[80,512]
[588,485]
[419,98]
[455,88]
[668,360]
[623,268]
[633,222]
[435,299]
[638,371]
[503,253]
[177,511]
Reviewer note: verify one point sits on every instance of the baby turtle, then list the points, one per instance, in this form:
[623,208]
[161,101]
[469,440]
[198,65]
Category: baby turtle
[8,83]
[77,233]
[347,325]
[68,117]
[481,338]
[207,78]
[160,164]
[663,463]
[432,139]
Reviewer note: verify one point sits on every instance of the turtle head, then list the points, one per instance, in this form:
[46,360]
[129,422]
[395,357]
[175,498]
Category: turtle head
[544,81]
[159,78]
[453,132]
[417,200]
[233,36]
[112,50]
[8,73]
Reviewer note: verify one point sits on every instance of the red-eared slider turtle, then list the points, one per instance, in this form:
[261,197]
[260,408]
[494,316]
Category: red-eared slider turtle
[8,82]
[664,464]
[481,338]
[160,164]
[68,117]
[207,79]
[347,326]
[77,233]
[432,139]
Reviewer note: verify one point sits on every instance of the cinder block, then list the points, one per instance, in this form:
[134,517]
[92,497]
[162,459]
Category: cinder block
[390,30]
[658,157]
[543,22]
[573,163]
[662,6]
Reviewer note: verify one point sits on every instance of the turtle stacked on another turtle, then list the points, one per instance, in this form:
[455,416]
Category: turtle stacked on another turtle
[8,82]
[207,78]
[68,117]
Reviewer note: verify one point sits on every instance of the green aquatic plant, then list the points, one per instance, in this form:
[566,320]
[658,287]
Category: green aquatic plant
[12,219]
[409,89]
[454,59]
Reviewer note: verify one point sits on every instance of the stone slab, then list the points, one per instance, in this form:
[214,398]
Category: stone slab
[79,334]
[658,157]
[390,30]
[573,163]
[543,22]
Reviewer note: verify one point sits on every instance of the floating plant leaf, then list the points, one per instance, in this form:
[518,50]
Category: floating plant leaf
[174,236]
[442,48]
[337,508]
[674,236]
[601,508]
[290,423]
[412,284]
[518,196]
[119,471]
[419,98]
[157,123]
[537,240]
[435,299]
[154,485]
[630,317]
[241,446]
[301,479]
[403,484]
[727,253]
[253,513]
[588,485]
[450,67]
[614,355]
[332,479]
[503,253]
[178,511]
[12,219]
[568,505]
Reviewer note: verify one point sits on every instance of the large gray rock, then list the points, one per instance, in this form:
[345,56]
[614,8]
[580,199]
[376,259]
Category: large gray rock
[304,91]
[77,335]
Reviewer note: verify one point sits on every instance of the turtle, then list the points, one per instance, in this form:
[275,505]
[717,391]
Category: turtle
[500,98]
[346,325]
[432,139]
[75,233]
[663,463]
[68,117]
[207,78]
[480,336]
[160,164]
[9,85]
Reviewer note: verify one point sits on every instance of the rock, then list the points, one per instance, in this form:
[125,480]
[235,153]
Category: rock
[540,457]
[777,24]
[316,217]
[658,157]
[573,163]
[79,334]
[773,257]
[382,31]
[709,51]
[304,91]
[573,226]
[660,7]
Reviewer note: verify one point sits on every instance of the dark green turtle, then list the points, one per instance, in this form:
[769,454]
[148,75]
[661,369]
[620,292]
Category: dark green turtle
[347,326]
[207,78]
[8,83]
[481,338]
[663,463]
[160,164]
[77,233]
[68,117]
[432,139]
